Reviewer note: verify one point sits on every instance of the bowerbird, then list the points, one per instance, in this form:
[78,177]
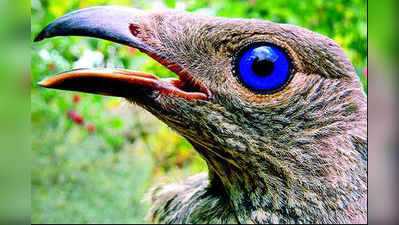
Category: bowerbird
[276,111]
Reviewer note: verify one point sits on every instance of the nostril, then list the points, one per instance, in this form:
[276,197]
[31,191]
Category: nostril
[134,30]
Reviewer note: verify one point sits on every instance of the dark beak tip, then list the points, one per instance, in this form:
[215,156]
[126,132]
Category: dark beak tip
[112,23]
[41,36]
[38,38]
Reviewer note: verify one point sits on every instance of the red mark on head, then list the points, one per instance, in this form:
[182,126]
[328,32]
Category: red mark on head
[134,30]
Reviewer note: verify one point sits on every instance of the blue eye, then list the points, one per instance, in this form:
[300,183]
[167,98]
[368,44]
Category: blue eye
[262,68]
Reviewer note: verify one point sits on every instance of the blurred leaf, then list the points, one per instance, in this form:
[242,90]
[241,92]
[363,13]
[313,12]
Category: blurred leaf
[116,123]
[170,3]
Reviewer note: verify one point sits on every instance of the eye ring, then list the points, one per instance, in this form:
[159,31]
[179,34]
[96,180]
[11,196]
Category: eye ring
[290,71]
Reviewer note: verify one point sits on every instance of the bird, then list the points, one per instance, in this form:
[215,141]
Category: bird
[277,112]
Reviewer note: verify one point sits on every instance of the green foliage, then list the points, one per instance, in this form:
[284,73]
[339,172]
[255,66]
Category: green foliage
[84,175]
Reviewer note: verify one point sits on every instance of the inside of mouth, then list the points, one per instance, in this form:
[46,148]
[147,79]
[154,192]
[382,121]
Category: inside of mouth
[186,82]
[184,85]
[181,82]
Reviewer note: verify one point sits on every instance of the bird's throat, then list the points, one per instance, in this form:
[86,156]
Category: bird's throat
[247,188]
[268,192]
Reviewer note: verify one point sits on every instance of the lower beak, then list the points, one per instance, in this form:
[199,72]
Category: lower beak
[118,82]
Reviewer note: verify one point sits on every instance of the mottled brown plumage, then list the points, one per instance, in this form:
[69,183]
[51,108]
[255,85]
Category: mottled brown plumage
[295,156]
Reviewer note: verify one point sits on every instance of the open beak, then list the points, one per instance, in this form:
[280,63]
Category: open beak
[120,25]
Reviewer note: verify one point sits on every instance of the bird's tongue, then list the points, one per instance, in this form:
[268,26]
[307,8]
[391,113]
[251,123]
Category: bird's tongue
[118,82]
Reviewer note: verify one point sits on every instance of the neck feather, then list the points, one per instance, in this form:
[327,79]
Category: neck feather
[265,189]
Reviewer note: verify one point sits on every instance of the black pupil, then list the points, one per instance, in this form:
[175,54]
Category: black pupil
[262,67]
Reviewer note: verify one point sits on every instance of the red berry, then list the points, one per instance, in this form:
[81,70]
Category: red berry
[90,128]
[75,116]
[76,98]
[71,113]
[51,66]
[78,119]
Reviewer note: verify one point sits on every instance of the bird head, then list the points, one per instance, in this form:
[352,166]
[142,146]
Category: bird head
[269,106]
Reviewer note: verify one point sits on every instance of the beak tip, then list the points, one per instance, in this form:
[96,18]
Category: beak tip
[42,35]
[38,38]
[42,83]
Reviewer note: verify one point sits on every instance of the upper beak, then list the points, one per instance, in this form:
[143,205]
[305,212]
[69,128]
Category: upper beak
[111,23]
[117,24]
